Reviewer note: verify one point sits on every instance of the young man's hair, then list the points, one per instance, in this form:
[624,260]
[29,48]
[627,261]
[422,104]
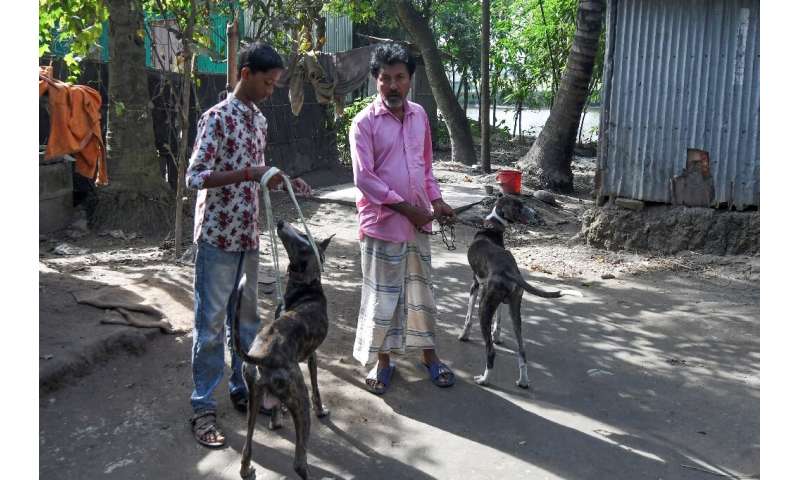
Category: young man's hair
[389,54]
[259,57]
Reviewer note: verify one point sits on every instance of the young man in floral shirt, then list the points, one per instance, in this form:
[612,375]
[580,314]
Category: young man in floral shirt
[226,165]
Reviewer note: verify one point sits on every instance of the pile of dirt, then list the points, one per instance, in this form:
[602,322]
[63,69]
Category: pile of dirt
[668,229]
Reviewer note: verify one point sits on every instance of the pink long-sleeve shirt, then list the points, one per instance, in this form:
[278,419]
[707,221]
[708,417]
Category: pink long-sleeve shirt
[392,162]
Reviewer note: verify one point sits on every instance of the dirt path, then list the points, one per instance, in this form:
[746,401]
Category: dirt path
[650,372]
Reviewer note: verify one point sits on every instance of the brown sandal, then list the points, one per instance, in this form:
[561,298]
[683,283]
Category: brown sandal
[203,424]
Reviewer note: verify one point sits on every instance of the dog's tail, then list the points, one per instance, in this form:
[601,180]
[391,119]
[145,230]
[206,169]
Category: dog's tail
[237,340]
[545,293]
[536,290]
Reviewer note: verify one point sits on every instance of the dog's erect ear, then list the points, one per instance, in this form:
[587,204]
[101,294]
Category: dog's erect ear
[324,244]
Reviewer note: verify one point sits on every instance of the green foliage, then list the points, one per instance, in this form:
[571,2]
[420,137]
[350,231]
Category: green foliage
[499,132]
[119,109]
[360,11]
[201,12]
[343,127]
[289,26]
[458,26]
[530,41]
[77,22]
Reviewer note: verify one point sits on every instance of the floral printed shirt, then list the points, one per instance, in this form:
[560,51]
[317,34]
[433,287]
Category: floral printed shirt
[230,136]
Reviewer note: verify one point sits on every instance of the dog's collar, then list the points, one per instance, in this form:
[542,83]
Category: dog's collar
[496,216]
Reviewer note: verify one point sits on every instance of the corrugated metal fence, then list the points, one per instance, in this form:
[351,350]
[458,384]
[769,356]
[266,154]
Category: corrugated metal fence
[681,75]
[339,33]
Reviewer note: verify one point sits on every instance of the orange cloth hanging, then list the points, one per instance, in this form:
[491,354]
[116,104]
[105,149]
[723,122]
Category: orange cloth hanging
[75,125]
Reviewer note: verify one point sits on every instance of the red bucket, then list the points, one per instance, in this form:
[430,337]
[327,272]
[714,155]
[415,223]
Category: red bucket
[510,181]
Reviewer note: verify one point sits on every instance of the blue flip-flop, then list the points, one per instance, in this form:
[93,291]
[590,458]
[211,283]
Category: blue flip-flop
[384,376]
[436,370]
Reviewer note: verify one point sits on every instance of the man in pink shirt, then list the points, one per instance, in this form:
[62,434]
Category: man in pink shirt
[397,199]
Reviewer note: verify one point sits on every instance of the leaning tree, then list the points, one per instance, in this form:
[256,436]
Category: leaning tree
[550,157]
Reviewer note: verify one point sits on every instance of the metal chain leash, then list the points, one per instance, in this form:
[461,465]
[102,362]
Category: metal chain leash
[448,231]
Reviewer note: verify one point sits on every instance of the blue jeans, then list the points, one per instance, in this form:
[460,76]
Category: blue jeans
[216,276]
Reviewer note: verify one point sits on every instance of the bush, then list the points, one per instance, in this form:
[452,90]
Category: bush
[343,128]
[499,132]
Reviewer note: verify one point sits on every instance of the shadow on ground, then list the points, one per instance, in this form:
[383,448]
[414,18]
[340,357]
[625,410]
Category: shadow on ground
[640,378]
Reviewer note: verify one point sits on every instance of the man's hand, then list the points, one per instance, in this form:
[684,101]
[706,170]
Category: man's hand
[416,215]
[301,187]
[442,211]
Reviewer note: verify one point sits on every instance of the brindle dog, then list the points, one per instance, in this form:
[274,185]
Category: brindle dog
[271,367]
[497,280]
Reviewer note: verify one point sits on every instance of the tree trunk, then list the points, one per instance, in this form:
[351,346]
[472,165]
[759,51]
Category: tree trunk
[231,47]
[136,187]
[494,100]
[465,82]
[186,95]
[476,87]
[514,128]
[583,113]
[550,157]
[460,83]
[463,148]
[485,131]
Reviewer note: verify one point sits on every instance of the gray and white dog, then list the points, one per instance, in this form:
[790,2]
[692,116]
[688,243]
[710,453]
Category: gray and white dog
[497,280]
[271,367]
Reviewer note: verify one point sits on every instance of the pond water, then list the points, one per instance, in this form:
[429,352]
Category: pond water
[534,119]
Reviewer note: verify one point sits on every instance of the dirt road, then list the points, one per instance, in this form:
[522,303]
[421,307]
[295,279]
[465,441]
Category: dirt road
[652,374]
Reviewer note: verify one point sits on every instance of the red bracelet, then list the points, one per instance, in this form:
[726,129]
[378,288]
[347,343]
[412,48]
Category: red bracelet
[247,176]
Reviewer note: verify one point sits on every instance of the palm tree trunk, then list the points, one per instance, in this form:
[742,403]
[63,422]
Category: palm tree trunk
[135,185]
[463,148]
[550,157]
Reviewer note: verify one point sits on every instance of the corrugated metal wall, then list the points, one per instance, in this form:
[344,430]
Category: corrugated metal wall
[339,33]
[681,75]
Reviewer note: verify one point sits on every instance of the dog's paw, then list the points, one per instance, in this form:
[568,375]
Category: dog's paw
[497,340]
[302,470]
[523,384]
[464,337]
[482,379]
[248,474]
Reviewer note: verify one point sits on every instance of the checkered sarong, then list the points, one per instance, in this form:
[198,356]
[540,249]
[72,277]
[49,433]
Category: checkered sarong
[398,309]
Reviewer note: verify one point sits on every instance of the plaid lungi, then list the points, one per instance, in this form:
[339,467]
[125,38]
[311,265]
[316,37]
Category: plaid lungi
[398,309]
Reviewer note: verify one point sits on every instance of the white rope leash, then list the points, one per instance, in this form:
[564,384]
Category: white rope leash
[272,230]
